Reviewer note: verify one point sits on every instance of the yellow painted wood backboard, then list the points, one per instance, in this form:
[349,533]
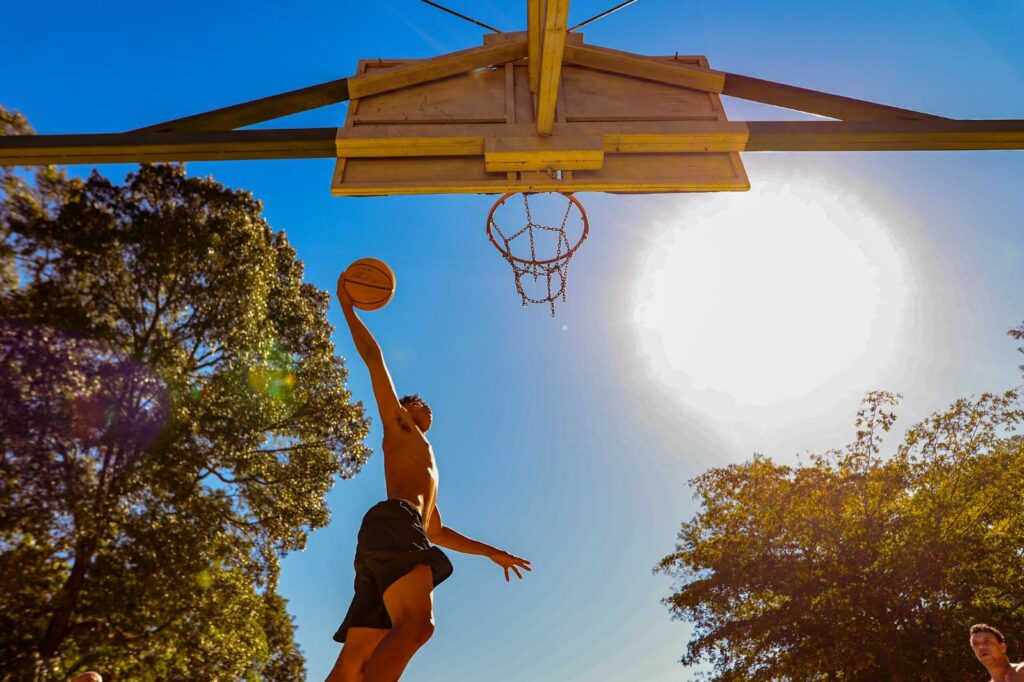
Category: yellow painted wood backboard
[434,137]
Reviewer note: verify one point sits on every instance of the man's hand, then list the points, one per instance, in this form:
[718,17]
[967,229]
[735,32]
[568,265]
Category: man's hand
[343,297]
[507,561]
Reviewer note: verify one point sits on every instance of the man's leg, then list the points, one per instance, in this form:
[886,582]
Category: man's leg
[359,646]
[410,604]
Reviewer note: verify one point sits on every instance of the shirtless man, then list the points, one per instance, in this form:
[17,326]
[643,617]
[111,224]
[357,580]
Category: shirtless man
[391,615]
[990,648]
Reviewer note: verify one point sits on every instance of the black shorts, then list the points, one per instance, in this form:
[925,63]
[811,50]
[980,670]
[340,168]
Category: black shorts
[391,543]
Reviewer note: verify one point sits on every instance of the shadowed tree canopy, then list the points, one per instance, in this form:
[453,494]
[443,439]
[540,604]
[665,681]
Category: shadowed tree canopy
[861,566]
[172,415]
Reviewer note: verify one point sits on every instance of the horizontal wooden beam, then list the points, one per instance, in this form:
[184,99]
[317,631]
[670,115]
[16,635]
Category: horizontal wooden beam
[392,147]
[814,102]
[570,152]
[695,136]
[638,66]
[721,136]
[259,110]
[516,145]
[294,143]
[424,70]
[936,135]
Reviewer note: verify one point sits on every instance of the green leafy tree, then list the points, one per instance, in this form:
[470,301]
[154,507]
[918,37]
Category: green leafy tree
[172,415]
[859,565]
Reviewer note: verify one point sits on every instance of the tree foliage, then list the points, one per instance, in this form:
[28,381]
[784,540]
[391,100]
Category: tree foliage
[172,415]
[860,565]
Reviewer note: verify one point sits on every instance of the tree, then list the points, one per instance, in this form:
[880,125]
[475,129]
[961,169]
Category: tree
[172,415]
[858,566]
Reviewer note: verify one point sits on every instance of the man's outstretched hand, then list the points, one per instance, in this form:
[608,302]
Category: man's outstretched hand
[507,561]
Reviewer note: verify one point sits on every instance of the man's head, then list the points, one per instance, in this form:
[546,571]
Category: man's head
[419,410]
[988,644]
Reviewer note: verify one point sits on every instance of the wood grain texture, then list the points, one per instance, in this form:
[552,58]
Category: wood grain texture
[259,110]
[426,70]
[815,102]
[533,153]
[884,135]
[535,38]
[285,143]
[629,64]
[555,24]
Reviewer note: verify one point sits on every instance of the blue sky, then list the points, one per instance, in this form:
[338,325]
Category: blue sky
[570,441]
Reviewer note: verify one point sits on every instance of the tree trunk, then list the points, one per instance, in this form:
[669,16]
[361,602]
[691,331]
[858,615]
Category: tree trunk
[66,601]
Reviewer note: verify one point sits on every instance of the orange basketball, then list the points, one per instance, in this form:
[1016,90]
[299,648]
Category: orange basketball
[370,283]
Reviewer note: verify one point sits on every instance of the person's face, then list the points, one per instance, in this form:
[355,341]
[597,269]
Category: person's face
[987,648]
[421,414]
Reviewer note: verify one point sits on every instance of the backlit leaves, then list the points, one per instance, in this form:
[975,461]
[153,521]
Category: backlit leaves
[172,415]
[859,565]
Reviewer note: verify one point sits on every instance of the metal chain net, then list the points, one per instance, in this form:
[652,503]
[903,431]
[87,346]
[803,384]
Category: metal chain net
[555,272]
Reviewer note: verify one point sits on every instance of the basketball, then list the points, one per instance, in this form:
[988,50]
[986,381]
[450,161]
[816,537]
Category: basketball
[370,283]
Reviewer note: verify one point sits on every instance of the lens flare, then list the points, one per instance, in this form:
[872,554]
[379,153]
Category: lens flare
[105,396]
[273,375]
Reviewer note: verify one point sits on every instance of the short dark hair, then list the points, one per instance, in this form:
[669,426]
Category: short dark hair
[411,398]
[981,627]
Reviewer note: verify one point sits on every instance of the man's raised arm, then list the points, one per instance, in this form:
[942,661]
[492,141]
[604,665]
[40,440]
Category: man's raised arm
[369,350]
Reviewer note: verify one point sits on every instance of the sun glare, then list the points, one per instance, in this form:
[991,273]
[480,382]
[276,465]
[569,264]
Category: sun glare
[766,296]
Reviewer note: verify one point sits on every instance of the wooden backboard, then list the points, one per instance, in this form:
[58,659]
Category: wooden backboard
[476,132]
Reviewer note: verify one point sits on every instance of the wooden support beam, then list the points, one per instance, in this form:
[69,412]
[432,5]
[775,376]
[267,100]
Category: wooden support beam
[377,147]
[706,136]
[825,136]
[259,110]
[629,64]
[555,23]
[294,143]
[422,71]
[685,137]
[693,136]
[814,102]
[574,146]
[295,101]
[535,34]
[575,152]
[494,130]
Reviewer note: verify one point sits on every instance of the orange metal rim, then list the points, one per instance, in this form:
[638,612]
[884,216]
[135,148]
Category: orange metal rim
[568,254]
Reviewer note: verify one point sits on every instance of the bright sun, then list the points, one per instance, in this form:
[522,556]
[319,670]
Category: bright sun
[767,295]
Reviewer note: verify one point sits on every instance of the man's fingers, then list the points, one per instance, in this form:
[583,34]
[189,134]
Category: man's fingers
[507,561]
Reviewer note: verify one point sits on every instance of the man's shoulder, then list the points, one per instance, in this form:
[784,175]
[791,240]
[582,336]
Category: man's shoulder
[401,432]
[397,422]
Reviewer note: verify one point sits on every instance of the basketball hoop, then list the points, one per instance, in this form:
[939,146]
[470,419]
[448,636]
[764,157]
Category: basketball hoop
[549,274]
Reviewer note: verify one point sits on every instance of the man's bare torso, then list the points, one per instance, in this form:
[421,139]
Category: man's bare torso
[410,471]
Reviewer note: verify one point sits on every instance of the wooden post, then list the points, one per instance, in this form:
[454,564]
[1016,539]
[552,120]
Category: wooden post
[555,24]
[534,32]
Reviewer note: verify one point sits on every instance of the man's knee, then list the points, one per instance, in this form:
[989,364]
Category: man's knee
[419,628]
